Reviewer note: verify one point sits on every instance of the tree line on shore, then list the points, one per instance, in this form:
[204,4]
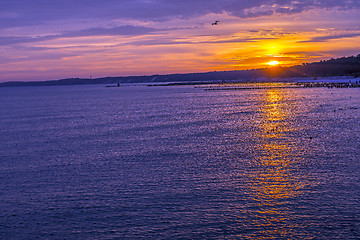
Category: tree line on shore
[345,66]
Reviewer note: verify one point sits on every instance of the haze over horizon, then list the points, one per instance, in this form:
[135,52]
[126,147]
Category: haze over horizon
[61,39]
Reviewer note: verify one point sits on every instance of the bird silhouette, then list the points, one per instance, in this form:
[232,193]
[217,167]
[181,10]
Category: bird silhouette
[215,23]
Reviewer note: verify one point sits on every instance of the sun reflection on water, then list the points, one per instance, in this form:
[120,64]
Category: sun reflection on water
[274,182]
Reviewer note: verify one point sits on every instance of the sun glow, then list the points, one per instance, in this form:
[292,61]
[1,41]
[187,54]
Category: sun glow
[273,63]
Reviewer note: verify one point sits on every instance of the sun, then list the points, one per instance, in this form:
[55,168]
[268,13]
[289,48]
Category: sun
[273,63]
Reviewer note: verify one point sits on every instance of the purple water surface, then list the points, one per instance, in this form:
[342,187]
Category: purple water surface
[178,162]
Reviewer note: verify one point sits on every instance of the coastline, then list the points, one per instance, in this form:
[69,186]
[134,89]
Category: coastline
[351,80]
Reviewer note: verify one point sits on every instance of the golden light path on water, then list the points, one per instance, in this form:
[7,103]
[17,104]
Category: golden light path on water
[277,181]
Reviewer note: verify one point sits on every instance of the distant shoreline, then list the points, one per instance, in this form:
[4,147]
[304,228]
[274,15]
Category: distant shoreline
[295,80]
[333,70]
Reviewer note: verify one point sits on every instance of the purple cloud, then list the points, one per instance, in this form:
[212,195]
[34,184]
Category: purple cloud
[25,13]
[122,31]
[331,37]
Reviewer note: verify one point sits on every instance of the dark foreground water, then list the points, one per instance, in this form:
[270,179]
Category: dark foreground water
[136,162]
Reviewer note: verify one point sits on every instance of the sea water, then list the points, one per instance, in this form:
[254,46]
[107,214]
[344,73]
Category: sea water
[179,162]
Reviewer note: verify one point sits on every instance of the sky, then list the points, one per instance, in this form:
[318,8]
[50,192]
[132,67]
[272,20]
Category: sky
[54,39]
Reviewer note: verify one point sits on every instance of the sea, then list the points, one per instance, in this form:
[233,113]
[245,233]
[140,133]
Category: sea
[269,161]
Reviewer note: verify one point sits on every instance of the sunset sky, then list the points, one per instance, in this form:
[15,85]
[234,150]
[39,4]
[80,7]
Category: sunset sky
[45,40]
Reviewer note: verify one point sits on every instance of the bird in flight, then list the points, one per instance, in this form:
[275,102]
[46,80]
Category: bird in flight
[215,23]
